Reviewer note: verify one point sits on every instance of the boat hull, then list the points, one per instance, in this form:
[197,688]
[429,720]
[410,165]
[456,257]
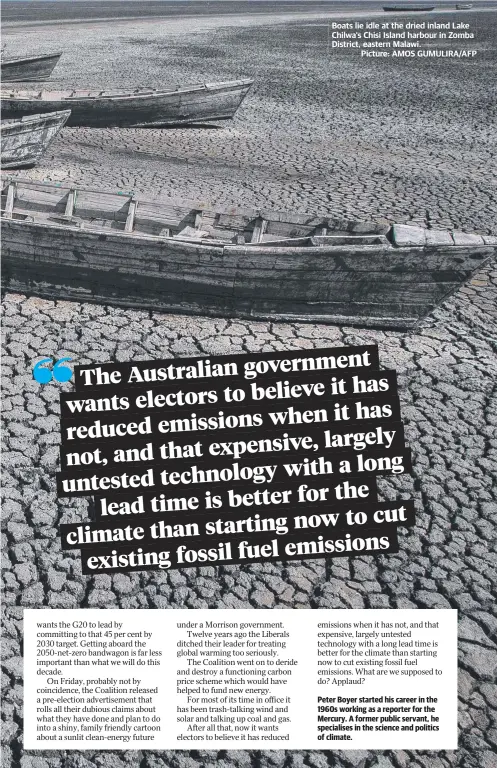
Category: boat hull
[29,69]
[376,286]
[188,105]
[24,141]
[408,9]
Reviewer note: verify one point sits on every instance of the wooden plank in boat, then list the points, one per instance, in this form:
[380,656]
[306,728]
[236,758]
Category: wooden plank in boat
[285,230]
[38,199]
[73,94]
[438,237]
[192,233]
[92,204]
[225,235]
[462,238]
[130,218]
[349,240]
[345,289]
[294,242]
[234,221]
[53,218]
[16,216]
[291,229]
[115,248]
[9,205]
[152,217]
[259,229]
[368,227]
[71,200]
[312,253]
[285,217]
[273,262]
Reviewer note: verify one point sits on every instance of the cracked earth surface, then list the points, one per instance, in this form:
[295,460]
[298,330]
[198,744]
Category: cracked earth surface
[320,131]
[369,152]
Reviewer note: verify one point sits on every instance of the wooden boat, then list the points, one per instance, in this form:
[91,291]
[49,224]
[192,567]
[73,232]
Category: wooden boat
[111,248]
[463,6]
[403,8]
[29,68]
[140,108]
[24,141]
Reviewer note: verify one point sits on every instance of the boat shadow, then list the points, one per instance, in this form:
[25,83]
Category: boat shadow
[18,166]
[206,125]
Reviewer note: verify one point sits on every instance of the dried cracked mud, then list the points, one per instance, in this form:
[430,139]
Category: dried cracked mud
[320,131]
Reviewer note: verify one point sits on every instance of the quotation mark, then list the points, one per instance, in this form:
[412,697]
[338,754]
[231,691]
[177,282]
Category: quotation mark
[59,372]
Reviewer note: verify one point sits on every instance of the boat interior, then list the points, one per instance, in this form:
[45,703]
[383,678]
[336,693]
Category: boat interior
[35,119]
[54,205]
[25,59]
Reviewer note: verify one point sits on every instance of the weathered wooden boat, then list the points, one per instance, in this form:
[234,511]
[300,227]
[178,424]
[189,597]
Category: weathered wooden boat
[24,141]
[407,7]
[65,243]
[140,108]
[29,67]
[463,6]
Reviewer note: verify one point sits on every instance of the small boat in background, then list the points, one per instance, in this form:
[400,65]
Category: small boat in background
[463,6]
[406,7]
[29,68]
[24,141]
[112,248]
[142,108]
